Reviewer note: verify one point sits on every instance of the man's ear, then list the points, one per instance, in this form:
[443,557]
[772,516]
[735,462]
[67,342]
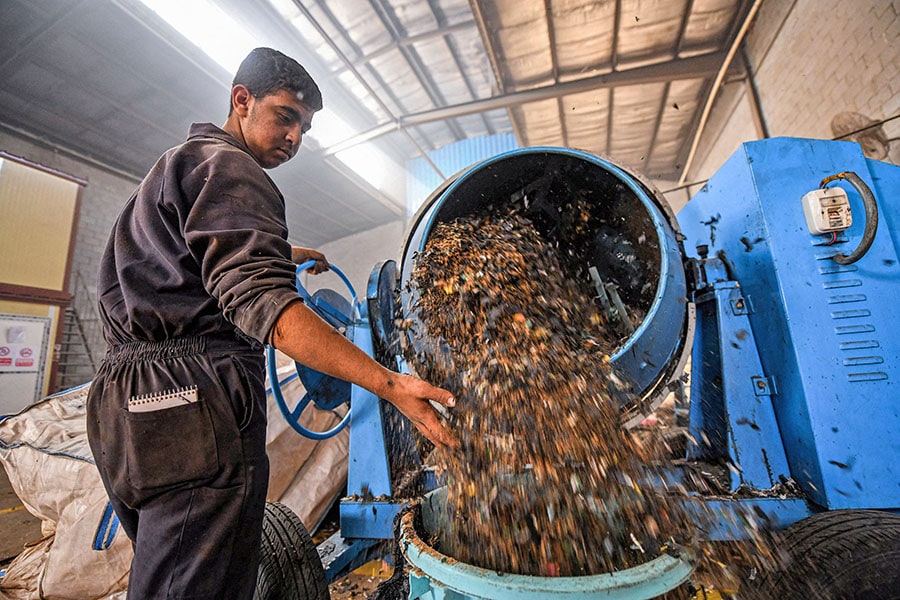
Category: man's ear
[240,99]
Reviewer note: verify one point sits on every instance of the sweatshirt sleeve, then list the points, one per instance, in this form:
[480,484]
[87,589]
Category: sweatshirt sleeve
[236,231]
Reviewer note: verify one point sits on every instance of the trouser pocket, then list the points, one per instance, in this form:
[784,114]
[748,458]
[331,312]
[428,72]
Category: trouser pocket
[170,445]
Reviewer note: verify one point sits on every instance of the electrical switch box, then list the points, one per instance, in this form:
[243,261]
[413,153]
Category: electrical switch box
[827,210]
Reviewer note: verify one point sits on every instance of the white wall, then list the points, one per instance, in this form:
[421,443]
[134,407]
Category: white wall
[357,254]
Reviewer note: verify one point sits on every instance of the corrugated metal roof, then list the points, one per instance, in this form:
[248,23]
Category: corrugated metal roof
[627,79]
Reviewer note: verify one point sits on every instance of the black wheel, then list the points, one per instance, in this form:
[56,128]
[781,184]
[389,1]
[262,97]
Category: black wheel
[289,564]
[841,554]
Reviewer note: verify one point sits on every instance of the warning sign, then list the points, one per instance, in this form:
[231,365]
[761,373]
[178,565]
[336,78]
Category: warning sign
[18,357]
[25,358]
[6,358]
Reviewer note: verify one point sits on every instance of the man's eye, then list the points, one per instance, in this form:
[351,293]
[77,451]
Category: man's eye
[284,118]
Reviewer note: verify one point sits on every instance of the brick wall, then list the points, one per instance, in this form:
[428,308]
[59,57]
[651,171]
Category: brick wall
[812,59]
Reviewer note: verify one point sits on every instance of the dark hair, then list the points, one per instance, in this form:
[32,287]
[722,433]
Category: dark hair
[266,71]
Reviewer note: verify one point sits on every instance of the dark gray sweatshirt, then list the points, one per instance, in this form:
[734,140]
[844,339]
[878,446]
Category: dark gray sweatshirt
[199,249]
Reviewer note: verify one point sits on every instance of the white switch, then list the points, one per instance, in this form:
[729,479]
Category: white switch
[827,210]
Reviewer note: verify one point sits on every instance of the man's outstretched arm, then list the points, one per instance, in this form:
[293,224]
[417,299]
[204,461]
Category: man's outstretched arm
[306,338]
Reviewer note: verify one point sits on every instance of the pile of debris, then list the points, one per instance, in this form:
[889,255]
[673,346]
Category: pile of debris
[547,482]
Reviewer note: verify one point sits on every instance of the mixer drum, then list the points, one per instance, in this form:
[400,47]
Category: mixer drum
[598,215]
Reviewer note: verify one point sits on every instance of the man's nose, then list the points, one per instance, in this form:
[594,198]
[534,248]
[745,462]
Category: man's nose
[295,136]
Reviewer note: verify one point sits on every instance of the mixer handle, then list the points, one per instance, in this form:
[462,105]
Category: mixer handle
[871,216]
[327,312]
[308,298]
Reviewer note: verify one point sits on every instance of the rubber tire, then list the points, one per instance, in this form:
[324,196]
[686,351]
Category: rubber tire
[841,554]
[289,564]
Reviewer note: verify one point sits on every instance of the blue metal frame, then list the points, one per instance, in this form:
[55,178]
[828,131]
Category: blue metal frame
[827,335]
[720,520]
[368,469]
[340,555]
[731,414]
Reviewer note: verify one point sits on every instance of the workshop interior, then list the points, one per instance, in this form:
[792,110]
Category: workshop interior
[719,178]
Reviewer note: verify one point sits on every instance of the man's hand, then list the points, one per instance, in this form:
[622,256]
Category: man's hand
[301,255]
[411,397]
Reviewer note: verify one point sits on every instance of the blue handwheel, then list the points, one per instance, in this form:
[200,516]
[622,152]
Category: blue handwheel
[325,391]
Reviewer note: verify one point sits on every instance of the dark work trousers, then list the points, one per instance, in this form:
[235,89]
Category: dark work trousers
[187,479]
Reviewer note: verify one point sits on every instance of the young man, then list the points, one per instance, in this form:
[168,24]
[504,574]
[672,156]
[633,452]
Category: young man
[197,275]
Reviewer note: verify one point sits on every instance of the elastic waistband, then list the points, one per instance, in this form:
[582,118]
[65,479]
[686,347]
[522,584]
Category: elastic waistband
[177,347]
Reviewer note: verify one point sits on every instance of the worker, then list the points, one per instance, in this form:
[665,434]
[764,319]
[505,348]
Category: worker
[196,276]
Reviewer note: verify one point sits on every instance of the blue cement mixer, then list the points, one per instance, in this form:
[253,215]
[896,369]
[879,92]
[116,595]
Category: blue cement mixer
[776,288]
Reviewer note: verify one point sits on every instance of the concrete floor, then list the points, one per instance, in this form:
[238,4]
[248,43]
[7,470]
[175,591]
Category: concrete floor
[17,526]
[361,582]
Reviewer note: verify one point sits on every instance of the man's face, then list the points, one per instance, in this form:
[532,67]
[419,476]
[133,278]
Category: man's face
[274,127]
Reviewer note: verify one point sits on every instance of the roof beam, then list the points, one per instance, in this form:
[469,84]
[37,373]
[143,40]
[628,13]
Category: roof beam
[714,89]
[682,29]
[449,41]
[680,68]
[551,41]
[676,50]
[658,121]
[614,47]
[487,38]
